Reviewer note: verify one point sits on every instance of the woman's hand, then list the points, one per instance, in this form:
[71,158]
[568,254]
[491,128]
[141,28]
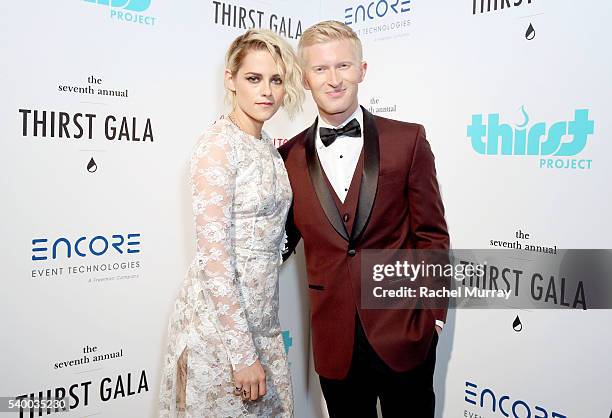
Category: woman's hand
[251,381]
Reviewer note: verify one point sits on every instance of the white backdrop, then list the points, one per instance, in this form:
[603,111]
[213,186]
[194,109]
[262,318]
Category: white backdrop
[169,59]
[439,63]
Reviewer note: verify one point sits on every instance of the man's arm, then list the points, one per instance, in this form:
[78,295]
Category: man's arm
[293,236]
[291,231]
[426,210]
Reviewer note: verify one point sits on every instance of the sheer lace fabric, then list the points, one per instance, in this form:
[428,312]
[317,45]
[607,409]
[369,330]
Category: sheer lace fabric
[226,315]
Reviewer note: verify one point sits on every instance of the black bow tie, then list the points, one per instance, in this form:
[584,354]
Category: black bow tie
[329,135]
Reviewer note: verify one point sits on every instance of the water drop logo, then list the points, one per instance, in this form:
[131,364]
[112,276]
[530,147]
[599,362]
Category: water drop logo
[530,34]
[525,116]
[517,325]
[92,167]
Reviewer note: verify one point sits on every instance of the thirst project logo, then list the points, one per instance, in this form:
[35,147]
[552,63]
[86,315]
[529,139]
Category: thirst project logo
[559,139]
[128,11]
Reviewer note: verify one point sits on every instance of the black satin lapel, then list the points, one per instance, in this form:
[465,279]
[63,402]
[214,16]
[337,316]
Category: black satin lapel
[369,179]
[322,191]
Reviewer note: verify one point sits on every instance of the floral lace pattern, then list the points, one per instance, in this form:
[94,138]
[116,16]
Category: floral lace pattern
[226,315]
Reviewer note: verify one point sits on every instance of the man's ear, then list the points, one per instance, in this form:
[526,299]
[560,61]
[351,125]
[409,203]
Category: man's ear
[305,83]
[364,69]
[229,81]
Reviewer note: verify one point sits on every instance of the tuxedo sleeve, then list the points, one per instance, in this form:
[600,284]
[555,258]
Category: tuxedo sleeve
[427,223]
[292,236]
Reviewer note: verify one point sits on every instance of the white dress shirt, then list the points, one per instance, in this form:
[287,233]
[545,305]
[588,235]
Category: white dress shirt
[340,158]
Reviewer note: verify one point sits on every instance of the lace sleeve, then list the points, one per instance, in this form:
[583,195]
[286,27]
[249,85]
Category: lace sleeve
[213,179]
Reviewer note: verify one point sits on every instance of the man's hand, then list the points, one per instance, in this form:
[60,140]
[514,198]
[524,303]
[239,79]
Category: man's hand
[251,381]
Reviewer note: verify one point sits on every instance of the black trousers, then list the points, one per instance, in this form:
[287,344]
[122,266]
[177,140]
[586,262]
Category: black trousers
[407,394]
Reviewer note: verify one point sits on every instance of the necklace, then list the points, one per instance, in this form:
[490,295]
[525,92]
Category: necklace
[231,118]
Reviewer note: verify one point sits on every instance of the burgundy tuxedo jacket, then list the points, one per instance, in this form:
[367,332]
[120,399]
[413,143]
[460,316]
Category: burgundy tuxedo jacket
[393,203]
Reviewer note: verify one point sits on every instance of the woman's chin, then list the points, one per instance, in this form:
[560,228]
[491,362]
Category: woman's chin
[264,114]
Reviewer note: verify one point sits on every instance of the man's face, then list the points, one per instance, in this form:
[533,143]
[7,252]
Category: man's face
[332,72]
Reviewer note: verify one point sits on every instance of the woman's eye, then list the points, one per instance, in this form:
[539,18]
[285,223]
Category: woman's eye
[253,79]
[277,81]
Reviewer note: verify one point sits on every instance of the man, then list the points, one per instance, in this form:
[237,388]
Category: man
[361,182]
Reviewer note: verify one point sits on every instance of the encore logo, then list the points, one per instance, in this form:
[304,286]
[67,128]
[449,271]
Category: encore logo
[98,245]
[505,405]
[373,10]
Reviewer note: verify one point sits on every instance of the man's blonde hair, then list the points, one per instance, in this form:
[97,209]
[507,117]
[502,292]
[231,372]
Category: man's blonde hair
[283,54]
[329,30]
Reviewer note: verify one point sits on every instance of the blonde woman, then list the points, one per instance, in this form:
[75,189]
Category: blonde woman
[226,356]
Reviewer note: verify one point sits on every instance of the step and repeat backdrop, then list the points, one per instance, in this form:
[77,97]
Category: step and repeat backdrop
[102,104]
[514,96]
[103,101]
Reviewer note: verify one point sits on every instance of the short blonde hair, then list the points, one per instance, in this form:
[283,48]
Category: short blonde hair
[283,54]
[329,30]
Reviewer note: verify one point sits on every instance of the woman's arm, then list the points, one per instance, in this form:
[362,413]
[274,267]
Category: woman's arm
[213,175]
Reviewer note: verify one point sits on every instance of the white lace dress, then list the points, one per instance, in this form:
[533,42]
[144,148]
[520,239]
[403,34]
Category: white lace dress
[226,315]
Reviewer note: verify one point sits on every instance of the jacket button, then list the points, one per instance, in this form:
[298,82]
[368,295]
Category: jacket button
[345,218]
[352,252]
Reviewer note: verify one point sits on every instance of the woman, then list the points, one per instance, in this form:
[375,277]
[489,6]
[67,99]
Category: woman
[226,355]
